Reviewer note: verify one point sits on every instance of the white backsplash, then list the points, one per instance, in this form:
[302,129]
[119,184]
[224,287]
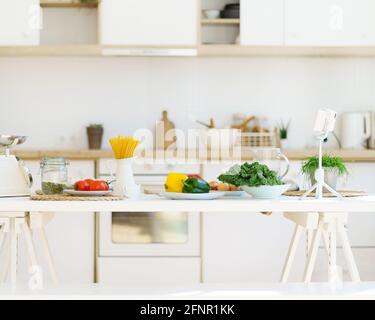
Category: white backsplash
[52,99]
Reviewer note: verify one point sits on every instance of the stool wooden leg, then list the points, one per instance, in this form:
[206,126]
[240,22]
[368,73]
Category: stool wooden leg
[291,253]
[348,253]
[13,251]
[313,253]
[5,257]
[48,255]
[333,274]
[30,244]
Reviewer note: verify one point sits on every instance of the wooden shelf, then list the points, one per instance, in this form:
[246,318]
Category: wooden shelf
[220,21]
[67,4]
[44,50]
[266,51]
[211,50]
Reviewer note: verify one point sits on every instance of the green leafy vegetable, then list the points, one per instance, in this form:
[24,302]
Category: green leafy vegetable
[195,185]
[252,175]
[310,165]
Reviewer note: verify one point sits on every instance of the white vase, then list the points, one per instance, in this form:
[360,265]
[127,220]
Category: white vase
[284,144]
[125,185]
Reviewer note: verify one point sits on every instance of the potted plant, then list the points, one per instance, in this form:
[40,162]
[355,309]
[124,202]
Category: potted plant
[334,167]
[283,131]
[95,135]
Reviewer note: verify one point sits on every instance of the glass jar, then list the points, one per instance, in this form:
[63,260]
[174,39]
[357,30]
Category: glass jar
[54,172]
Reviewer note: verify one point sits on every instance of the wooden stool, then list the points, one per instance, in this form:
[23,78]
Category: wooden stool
[318,225]
[12,226]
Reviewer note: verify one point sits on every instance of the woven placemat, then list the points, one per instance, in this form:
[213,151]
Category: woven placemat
[344,193]
[61,197]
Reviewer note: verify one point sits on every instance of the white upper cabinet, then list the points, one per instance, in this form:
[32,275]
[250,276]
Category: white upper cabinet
[19,22]
[149,22]
[329,22]
[262,22]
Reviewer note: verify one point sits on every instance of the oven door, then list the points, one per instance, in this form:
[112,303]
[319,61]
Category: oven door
[149,234]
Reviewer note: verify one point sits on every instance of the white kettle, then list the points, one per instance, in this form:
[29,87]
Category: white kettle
[355,130]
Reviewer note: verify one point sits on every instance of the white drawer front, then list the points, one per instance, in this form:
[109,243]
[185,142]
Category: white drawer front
[149,271]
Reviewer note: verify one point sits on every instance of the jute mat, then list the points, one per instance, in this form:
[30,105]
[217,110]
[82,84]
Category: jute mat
[61,197]
[344,193]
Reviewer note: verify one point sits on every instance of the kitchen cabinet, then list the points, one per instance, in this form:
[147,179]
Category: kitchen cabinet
[19,22]
[71,236]
[148,22]
[262,22]
[329,22]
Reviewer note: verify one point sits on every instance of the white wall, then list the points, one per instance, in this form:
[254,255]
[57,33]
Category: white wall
[52,99]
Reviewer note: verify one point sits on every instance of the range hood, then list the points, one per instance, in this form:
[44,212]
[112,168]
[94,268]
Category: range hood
[150,52]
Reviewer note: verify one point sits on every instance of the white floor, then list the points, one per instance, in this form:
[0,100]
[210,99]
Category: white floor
[364,290]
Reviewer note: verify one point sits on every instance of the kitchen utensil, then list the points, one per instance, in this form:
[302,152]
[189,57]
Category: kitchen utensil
[125,184]
[87,193]
[272,157]
[16,179]
[193,196]
[355,130]
[266,192]
[231,11]
[242,126]
[211,14]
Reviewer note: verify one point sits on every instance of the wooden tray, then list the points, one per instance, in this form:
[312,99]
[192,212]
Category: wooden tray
[344,193]
[58,197]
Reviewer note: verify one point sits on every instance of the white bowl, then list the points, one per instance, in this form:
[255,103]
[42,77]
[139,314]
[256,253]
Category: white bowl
[211,14]
[266,192]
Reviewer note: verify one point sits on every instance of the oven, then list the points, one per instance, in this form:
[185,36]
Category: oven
[171,240]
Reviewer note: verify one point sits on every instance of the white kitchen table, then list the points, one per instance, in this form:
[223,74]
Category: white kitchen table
[153,203]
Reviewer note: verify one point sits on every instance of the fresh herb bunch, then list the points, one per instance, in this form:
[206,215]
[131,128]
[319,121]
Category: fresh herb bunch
[284,128]
[252,175]
[310,165]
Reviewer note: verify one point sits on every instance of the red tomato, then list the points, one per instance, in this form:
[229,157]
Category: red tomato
[99,186]
[82,185]
[89,181]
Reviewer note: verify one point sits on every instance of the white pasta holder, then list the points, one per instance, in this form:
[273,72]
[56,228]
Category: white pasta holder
[125,185]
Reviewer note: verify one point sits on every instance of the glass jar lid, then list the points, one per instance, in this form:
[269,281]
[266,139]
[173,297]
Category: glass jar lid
[53,161]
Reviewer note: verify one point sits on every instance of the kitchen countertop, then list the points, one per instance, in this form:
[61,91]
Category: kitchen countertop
[298,154]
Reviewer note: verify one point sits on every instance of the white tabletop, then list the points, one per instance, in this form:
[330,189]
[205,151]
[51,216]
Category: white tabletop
[153,203]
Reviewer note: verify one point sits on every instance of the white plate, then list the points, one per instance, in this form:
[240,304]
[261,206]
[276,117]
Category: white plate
[87,193]
[266,192]
[193,196]
[238,193]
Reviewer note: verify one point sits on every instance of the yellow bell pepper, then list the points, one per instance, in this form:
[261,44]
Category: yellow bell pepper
[175,182]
